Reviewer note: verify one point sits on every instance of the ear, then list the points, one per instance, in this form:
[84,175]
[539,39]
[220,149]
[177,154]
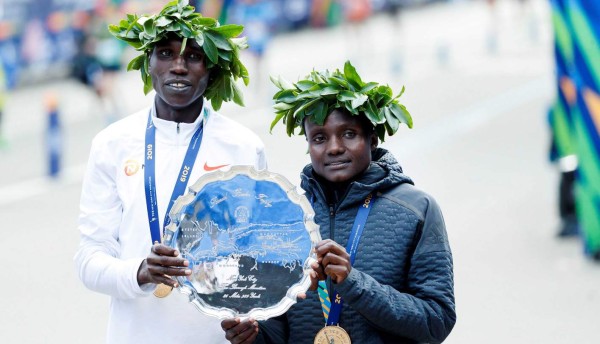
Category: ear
[149,54]
[374,142]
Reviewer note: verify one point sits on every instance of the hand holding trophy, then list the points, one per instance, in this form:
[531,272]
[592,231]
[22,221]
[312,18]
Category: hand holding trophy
[162,262]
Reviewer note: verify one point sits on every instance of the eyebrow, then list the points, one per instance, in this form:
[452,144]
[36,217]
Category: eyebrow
[190,44]
[163,43]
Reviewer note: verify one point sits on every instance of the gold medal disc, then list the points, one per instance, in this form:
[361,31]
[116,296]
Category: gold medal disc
[332,335]
[162,290]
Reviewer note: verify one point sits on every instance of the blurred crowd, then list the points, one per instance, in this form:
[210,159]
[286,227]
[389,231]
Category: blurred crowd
[47,39]
[41,39]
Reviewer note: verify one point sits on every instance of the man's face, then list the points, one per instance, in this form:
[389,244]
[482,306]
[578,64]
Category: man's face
[340,149]
[179,80]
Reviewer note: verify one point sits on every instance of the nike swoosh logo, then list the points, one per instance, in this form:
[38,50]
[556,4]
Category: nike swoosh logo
[212,168]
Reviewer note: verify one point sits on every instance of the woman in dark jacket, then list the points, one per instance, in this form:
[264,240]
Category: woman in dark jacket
[390,263]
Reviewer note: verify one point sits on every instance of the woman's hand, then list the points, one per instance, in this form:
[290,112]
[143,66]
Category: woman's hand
[332,260]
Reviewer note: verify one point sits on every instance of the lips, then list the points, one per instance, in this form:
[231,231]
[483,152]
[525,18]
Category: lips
[337,163]
[178,85]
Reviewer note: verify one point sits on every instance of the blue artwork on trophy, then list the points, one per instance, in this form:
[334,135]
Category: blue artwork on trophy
[249,238]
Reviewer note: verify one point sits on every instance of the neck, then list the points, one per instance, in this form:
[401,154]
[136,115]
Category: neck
[188,114]
[333,191]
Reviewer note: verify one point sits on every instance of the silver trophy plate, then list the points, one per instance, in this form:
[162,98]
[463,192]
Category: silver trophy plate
[249,238]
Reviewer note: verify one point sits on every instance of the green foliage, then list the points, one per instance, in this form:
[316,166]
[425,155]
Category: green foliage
[219,42]
[320,93]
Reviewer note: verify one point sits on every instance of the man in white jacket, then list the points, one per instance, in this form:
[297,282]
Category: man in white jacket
[139,165]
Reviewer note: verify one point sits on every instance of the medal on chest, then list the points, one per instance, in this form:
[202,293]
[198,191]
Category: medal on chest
[332,335]
[162,290]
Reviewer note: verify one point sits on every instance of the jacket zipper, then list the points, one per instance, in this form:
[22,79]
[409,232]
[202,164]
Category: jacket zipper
[178,128]
[331,222]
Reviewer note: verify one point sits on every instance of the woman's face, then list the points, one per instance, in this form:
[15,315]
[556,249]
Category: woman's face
[340,149]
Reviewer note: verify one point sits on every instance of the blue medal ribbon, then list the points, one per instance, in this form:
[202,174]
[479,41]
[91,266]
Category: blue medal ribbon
[150,180]
[332,310]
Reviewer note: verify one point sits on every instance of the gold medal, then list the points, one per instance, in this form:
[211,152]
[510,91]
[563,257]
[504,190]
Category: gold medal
[162,290]
[332,335]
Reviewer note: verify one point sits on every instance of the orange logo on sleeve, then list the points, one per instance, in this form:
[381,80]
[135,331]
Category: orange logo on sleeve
[131,167]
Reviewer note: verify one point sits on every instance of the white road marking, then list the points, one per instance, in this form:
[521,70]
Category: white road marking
[24,190]
[456,124]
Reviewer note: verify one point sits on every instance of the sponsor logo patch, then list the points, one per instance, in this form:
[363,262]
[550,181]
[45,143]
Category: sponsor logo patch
[131,167]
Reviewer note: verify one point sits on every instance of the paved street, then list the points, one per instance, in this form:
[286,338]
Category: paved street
[479,146]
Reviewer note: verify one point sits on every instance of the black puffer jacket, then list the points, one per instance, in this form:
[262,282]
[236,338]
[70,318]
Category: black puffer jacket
[400,289]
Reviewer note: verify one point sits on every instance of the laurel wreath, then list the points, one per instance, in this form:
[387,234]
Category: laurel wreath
[220,43]
[319,93]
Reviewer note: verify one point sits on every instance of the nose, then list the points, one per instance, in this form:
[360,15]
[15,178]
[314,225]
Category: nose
[335,146]
[179,65]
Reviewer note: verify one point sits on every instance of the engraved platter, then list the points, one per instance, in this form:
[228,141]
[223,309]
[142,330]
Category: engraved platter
[249,238]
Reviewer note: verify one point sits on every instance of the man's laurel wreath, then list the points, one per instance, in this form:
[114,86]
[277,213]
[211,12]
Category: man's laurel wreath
[219,43]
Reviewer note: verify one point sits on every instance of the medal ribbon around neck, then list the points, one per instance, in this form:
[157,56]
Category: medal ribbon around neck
[150,180]
[331,312]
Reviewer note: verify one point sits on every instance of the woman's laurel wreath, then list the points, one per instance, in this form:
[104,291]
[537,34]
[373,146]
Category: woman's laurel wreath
[319,93]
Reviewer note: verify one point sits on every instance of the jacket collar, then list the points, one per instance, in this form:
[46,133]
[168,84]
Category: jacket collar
[178,133]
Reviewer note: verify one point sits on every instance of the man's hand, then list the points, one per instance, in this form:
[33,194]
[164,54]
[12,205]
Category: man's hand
[332,260]
[161,263]
[240,332]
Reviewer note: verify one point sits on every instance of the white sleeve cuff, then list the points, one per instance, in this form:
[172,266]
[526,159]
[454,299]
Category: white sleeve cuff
[134,265]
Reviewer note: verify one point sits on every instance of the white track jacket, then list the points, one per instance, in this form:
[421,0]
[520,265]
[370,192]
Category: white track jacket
[113,221]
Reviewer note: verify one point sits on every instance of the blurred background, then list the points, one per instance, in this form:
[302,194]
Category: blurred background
[505,100]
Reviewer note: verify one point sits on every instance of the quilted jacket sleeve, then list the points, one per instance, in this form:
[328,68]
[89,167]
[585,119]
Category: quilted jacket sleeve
[425,311]
[273,331]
